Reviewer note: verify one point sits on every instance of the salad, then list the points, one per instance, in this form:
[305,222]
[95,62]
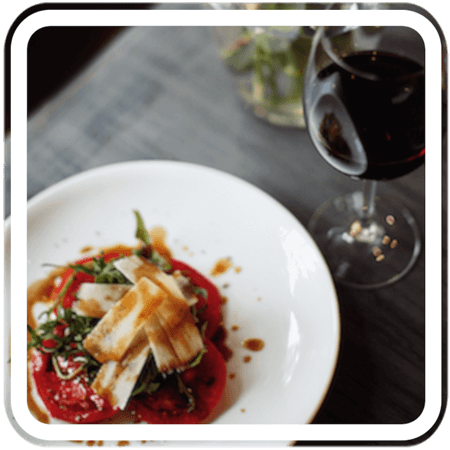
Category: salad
[128,330]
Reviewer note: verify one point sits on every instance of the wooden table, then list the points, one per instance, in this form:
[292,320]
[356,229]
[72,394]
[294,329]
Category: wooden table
[162,93]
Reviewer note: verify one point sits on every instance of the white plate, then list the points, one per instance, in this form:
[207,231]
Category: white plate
[283,294]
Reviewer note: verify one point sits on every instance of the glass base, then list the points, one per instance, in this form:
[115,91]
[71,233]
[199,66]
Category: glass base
[362,253]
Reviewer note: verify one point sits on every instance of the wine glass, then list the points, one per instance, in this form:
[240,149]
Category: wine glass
[364,102]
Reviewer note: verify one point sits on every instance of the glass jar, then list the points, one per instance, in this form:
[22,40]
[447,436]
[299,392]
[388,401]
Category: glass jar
[267,63]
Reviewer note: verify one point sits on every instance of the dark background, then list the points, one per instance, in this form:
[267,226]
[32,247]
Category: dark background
[57,54]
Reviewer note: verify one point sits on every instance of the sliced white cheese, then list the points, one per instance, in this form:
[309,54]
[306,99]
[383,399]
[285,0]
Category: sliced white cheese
[116,380]
[111,337]
[165,356]
[184,284]
[96,299]
[174,316]
[176,320]
[134,268]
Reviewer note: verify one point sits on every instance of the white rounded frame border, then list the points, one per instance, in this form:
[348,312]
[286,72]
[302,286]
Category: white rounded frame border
[433,226]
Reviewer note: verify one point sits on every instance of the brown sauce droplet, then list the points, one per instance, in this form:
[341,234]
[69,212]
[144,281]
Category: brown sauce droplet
[86,249]
[123,443]
[90,443]
[235,327]
[122,249]
[247,358]
[237,269]
[221,266]
[232,375]
[253,344]
[243,410]
[158,236]
[223,300]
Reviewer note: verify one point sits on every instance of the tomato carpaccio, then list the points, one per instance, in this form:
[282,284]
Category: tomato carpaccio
[75,402]
[72,401]
[167,406]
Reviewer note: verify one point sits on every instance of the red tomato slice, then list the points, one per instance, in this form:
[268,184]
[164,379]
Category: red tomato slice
[80,277]
[212,313]
[167,406]
[68,400]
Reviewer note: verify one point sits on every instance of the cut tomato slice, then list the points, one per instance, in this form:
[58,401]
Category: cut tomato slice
[72,400]
[168,406]
[74,279]
[212,313]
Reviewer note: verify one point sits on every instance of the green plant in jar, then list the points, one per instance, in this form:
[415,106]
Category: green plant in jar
[268,64]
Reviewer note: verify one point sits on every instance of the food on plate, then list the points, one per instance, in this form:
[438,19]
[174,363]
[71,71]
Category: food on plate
[129,330]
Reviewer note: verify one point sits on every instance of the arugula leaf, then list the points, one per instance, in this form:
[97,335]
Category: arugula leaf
[161,262]
[148,251]
[76,328]
[102,271]
[200,291]
[141,232]
[187,391]
[197,359]
[146,381]
[109,274]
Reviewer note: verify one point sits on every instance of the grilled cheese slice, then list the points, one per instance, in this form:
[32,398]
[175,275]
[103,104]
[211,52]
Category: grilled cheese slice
[116,380]
[133,268]
[111,337]
[165,356]
[96,299]
[185,285]
[174,318]
[161,310]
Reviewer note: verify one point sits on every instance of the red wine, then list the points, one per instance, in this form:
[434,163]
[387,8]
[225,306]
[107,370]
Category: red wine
[369,126]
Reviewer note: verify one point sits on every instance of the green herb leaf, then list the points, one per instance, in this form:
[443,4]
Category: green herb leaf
[200,291]
[148,251]
[198,358]
[152,387]
[146,381]
[161,262]
[76,328]
[183,389]
[102,271]
[141,231]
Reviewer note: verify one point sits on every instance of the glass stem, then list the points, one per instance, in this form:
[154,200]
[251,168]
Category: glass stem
[368,209]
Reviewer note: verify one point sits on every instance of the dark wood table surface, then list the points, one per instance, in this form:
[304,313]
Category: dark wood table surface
[163,93]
